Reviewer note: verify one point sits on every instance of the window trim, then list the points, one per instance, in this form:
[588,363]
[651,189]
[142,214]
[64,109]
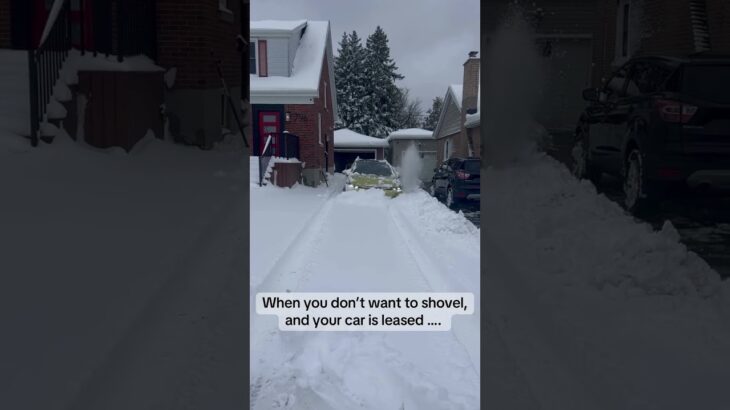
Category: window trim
[255,58]
[319,127]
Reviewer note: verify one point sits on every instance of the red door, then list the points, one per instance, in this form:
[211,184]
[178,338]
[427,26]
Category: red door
[80,17]
[269,124]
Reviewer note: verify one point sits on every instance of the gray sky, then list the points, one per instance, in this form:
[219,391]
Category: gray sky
[429,39]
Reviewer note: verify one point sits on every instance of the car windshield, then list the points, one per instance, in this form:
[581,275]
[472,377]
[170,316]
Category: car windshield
[373,168]
[472,167]
[708,82]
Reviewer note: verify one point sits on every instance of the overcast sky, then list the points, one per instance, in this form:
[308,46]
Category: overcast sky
[429,39]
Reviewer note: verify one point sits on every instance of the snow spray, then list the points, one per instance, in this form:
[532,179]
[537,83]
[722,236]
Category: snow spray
[410,171]
[514,79]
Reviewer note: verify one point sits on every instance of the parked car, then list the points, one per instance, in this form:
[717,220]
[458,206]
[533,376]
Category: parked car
[662,124]
[372,173]
[457,180]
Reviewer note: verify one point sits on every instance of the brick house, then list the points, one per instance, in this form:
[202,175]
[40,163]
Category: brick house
[630,28]
[292,91]
[454,135]
[152,62]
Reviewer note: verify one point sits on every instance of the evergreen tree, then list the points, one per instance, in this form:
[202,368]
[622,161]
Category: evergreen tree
[350,81]
[384,96]
[432,115]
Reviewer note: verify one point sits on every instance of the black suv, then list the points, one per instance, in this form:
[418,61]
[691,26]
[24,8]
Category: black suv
[457,180]
[658,123]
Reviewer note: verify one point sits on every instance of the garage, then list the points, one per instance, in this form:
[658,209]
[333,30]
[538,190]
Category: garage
[350,145]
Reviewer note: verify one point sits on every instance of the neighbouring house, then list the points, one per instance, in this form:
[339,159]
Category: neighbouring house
[292,91]
[448,127]
[400,140]
[629,28]
[564,35]
[108,72]
[350,145]
[457,131]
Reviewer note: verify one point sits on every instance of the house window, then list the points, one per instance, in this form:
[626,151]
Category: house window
[252,58]
[325,95]
[628,26]
[263,60]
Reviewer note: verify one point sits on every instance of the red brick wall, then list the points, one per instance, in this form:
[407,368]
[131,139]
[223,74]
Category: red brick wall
[303,122]
[4,23]
[187,30]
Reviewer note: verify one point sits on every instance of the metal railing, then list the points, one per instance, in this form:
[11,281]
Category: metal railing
[265,158]
[124,28]
[44,68]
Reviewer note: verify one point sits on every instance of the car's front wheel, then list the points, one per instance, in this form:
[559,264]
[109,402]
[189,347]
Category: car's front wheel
[432,189]
[450,200]
[638,198]
[583,168]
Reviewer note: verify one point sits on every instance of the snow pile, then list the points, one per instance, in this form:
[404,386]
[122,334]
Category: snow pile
[513,84]
[99,250]
[583,298]
[347,138]
[410,169]
[568,222]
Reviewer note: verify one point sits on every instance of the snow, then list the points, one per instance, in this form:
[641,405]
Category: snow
[14,99]
[592,308]
[87,62]
[307,66]
[325,240]
[284,26]
[410,133]
[346,138]
[119,275]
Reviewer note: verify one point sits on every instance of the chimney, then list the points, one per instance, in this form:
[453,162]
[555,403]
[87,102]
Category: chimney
[471,82]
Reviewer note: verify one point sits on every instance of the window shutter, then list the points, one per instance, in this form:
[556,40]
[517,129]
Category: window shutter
[263,60]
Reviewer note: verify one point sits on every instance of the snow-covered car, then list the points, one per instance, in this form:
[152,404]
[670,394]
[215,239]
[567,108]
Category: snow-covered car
[372,173]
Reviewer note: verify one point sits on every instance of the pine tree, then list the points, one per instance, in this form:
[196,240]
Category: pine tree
[432,115]
[351,81]
[384,95]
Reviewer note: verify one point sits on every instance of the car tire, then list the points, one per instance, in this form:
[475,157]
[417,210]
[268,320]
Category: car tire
[583,167]
[450,200]
[639,199]
[432,190]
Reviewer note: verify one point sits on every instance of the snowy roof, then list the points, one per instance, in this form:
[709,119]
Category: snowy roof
[458,91]
[348,138]
[259,27]
[410,134]
[302,86]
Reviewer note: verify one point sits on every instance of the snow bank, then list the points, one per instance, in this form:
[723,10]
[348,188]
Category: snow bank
[631,316]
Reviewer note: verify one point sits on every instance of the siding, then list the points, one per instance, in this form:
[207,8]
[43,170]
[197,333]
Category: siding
[278,56]
[452,120]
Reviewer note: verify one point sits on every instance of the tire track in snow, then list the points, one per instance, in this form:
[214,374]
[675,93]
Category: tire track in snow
[390,265]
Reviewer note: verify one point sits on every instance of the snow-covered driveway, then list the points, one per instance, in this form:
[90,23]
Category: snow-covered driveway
[365,242]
